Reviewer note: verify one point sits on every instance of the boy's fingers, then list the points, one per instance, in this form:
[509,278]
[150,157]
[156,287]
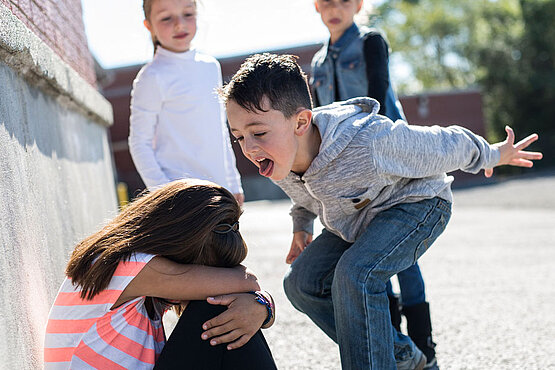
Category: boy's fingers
[510,135]
[530,155]
[526,141]
[488,172]
[291,257]
[522,163]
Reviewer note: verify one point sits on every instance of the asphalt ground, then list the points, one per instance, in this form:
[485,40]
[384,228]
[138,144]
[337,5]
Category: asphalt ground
[490,280]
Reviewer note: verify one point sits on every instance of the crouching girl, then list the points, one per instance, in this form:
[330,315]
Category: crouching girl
[179,245]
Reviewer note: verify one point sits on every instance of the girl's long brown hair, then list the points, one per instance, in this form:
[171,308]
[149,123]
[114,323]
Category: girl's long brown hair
[176,222]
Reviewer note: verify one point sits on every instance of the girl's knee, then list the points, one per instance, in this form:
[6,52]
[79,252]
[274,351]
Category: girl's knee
[201,311]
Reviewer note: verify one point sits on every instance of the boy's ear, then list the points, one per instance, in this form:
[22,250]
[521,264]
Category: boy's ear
[146,23]
[304,120]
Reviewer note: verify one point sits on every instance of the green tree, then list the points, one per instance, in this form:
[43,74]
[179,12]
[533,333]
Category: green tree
[506,47]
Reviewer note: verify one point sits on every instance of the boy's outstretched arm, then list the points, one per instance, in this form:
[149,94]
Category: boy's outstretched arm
[513,154]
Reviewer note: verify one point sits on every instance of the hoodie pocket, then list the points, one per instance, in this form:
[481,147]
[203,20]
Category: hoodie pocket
[353,204]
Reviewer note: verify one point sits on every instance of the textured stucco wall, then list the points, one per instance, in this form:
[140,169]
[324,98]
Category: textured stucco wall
[56,182]
[56,186]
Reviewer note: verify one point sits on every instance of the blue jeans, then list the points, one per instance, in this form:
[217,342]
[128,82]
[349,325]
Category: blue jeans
[411,286]
[342,286]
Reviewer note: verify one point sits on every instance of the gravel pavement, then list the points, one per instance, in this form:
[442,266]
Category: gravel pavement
[490,280]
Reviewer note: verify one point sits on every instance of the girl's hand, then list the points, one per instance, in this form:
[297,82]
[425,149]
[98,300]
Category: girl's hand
[300,240]
[240,198]
[513,154]
[242,319]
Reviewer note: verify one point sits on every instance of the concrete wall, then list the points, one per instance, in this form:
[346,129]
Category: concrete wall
[56,181]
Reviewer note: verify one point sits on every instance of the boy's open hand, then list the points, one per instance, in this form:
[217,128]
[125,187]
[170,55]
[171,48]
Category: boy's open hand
[236,326]
[513,154]
[300,240]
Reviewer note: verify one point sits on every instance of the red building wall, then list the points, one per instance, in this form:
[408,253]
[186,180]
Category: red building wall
[59,24]
[462,108]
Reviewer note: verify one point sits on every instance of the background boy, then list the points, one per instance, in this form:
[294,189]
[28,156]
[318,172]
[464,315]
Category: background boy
[379,188]
[355,62]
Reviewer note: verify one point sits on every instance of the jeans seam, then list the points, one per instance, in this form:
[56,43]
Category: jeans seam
[322,293]
[440,221]
[428,215]
[369,272]
[368,329]
[442,205]
[439,203]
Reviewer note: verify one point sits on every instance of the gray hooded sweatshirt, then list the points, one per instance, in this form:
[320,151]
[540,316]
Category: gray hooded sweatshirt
[367,163]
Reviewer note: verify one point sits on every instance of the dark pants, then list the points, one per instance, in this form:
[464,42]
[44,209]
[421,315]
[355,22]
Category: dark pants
[186,350]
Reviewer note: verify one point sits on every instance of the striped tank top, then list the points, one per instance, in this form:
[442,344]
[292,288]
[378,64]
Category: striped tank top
[87,334]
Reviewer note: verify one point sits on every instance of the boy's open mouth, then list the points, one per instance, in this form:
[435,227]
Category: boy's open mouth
[266,167]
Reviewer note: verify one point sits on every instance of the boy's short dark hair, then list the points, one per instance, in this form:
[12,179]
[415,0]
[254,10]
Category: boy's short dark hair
[277,77]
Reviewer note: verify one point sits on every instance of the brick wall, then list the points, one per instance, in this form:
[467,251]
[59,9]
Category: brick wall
[59,23]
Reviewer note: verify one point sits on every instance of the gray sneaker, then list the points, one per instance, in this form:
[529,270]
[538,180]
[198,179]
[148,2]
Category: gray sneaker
[415,361]
[431,365]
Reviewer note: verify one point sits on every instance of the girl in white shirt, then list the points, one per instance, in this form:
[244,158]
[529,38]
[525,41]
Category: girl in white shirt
[178,127]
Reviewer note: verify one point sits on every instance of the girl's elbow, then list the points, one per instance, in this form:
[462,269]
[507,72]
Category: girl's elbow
[252,281]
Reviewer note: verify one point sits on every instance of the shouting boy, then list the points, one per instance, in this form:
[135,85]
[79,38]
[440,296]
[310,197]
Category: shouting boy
[379,187]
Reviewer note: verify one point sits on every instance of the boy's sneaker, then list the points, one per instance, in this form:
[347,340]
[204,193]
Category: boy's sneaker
[431,365]
[416,361]
[427,346]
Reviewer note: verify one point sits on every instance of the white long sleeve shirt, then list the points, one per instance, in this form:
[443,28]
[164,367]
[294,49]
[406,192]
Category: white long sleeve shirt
[178,126]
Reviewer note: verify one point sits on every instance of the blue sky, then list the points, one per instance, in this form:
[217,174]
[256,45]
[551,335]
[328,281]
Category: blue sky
[117,37]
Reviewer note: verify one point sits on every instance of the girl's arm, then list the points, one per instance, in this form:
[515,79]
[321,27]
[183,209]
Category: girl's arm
[164,278]
[376,56]
[146,104]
